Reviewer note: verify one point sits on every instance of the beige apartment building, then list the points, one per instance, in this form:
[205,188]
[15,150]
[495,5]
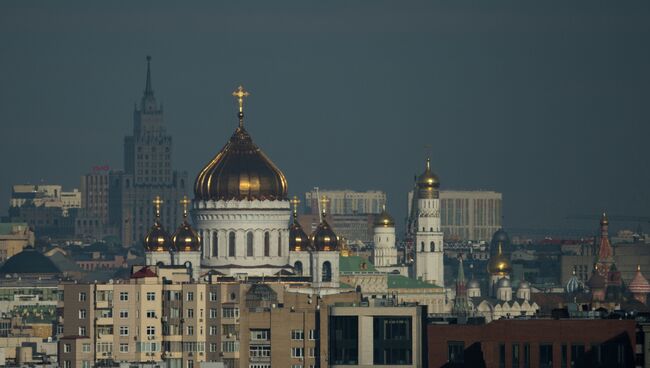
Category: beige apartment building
[158,316]
[346,201]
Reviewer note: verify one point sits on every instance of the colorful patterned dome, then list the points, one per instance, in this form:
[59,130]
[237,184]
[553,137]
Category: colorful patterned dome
[639,284]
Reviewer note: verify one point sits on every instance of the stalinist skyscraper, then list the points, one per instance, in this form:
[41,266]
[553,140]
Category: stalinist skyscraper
[147,173]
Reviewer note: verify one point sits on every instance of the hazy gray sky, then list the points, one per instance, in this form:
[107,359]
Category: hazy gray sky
[548,103]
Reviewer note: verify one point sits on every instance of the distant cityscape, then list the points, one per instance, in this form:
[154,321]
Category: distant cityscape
[145,266]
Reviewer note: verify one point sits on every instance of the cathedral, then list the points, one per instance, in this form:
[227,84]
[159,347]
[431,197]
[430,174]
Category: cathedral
[242,224]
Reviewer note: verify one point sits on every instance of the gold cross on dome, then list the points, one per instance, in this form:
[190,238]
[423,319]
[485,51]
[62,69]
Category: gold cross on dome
[324,201]
[157,202]
[240,93]
[184,202]
[295,202]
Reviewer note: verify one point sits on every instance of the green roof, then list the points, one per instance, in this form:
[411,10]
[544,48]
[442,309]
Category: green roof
[403,282]
[343,285]
[6,228]
[355,264]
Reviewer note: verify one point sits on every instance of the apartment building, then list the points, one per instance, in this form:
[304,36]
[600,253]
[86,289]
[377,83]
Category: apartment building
[158,316]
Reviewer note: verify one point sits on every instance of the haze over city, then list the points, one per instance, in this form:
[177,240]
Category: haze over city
[547,103]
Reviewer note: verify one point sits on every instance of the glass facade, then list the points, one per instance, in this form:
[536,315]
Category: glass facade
[344,340]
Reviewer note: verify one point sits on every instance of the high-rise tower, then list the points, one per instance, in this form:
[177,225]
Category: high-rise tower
[428,239]
[147,173]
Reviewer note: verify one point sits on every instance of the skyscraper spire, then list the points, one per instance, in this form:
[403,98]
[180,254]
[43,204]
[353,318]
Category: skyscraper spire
[148,91]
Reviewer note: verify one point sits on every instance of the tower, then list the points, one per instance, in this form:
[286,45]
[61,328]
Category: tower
[240,208]
[428,239]
[639,286]
[325,257]
[605,251]
[384,252]
[157,244]
[300,246]
[499,269]
[148,172]
[187,245]
[461,302]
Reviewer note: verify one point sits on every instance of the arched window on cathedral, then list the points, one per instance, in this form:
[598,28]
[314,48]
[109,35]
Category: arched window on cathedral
[432,247]
[231,244]
[215,244]
[267,244]
[327,272]
[279,244]
[422,247]
[298,268]
[249,244]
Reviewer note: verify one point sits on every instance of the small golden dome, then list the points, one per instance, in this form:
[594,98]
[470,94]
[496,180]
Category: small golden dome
[324,238]
[185,239]
[499,264]
[298,239]
[428,183]
[384,219]
[157,240]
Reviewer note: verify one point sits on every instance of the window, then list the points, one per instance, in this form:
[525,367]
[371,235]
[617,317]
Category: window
[432,246]
[249,244]
[151,314]
[230,346]
[298,268]
[515,355]
[213,296]
[85,364]
[190,330]
[124,296]
[260,335]
[124,330]
[259,351]
[230,312]
[82,330]
[213,330]
[231,244]
[545,356]
[313,335]
[213,312]
[344,340]
[502,356]
[526,355]
[82,314]
[124,314]
[151,330]
[565,356]
[82,297]
[279,244]
[124,348]
[313,352]
[213,347]
[228,329]
[67,364]
[456,352]
[215,244]
[267,244]
[151,296]
[327,272]
[296,366]
[85,348]
[190,313]
[190,363]
[577,356]
[190,296]
[67,348]
[297,352]
[297,335]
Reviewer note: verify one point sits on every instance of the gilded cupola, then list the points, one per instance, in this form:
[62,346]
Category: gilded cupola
[384,219]
[185,239]
[499,264]
[298,239]
[324,238]
[157,240]
[428,183]
[240,171]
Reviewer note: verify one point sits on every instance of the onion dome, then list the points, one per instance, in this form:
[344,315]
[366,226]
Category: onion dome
[473,284]
[384,219]
[639,284]
[499,264]
[500,236]
[596,281]
[503,283]
[573,284]
[186,239]
[298,239]
[428,183]
[324,238]
[524,285]
[240,171]
[158,239]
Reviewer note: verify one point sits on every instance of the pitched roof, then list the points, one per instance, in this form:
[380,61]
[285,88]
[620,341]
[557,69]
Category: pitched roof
[403,282]
[29,261]
[355,264]
[144,272]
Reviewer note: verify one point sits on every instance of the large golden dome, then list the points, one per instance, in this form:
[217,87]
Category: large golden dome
[499,263]
[240,171]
